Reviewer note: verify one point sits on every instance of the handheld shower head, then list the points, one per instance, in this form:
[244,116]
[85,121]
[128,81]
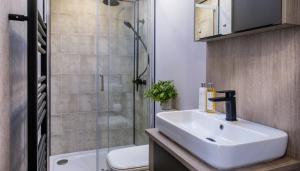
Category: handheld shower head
[127,24]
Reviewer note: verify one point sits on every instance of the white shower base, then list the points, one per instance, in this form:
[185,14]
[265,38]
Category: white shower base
[81,161]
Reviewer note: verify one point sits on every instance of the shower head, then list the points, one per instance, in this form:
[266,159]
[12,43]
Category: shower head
[111,2]
[128,24]
[116,2]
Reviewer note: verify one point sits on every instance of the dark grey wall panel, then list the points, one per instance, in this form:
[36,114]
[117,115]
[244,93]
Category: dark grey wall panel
[255,13]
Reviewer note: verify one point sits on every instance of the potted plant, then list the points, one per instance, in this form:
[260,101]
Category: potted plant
[163,92]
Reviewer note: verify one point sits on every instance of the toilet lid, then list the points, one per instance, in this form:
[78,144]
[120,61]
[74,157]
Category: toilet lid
[131,158]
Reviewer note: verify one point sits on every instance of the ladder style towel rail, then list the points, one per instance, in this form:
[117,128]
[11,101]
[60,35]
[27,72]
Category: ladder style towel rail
[38,108]
[42,79]
[41,117]
[41,30]
[41,50]
[41,88]
[41,98]
[41,152]
[41,40]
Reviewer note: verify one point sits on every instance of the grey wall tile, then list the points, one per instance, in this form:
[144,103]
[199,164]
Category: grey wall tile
[87,84]
[56,64]
[55,103]
[103,65]
[87,103]
[69,84]
[120,137]
[84,133]
[88,64]
[64,23]
[55,43]
[103,101]
[103,46]
[74,6]
[70,64]
[79,44]
[68,103]
[121,65]
[56,125]
[56,85]
[57,144]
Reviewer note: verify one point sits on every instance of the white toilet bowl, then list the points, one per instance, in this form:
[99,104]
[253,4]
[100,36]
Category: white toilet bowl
[129,159]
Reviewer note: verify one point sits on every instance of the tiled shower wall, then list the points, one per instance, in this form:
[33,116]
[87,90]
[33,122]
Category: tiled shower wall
[74,73]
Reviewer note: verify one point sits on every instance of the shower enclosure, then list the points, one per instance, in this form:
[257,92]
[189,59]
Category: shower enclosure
[100,69]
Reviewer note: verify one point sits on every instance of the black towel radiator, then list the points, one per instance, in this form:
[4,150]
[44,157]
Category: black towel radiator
[38,107]
[37,92]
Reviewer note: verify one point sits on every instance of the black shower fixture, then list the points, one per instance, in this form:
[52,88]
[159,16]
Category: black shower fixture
[111,2]
[138,79]
[116,2]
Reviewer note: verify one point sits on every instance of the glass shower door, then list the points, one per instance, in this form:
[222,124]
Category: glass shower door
[123,75]
[120,76]
[115,70]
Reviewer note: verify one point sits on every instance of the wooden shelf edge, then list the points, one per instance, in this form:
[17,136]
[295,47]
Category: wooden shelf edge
[249,32]
[194,164]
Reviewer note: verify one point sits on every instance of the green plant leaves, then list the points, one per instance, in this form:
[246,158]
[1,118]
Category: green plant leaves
[162,91]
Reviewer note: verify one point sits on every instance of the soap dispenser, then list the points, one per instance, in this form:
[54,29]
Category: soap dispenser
[211,93]
[202,97]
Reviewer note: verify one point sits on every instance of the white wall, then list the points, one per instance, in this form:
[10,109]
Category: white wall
[13,87]
[178,57]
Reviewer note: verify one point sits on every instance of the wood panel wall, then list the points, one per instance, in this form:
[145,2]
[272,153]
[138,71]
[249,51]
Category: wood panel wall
[264,69]
[290,11]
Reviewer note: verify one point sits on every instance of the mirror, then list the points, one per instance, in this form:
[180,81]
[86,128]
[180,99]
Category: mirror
[206,19]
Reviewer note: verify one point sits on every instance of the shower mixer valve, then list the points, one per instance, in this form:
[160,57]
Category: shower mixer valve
[139,81]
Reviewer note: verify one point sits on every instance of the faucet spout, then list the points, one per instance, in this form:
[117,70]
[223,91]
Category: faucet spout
[219,99]
[230,102]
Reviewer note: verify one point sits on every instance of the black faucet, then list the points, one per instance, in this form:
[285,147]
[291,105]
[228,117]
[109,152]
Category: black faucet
[230,103]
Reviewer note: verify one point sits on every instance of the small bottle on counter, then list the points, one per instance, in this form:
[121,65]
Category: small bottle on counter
[211,93]
[202,97]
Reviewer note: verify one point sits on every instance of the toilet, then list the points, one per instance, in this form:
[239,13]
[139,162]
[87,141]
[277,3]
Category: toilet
[129,159]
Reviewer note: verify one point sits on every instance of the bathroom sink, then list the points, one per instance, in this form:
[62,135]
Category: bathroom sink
[220,143]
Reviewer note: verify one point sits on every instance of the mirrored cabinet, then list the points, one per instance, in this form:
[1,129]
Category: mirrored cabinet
[217,19]
[206,18]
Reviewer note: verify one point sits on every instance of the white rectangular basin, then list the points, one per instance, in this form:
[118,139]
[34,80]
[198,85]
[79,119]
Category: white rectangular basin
[220,143]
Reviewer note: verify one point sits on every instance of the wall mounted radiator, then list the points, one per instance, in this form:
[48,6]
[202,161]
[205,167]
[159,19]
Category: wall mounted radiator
[37,68]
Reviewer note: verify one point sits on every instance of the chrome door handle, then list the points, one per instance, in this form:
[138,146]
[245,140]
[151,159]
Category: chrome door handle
[102,82]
